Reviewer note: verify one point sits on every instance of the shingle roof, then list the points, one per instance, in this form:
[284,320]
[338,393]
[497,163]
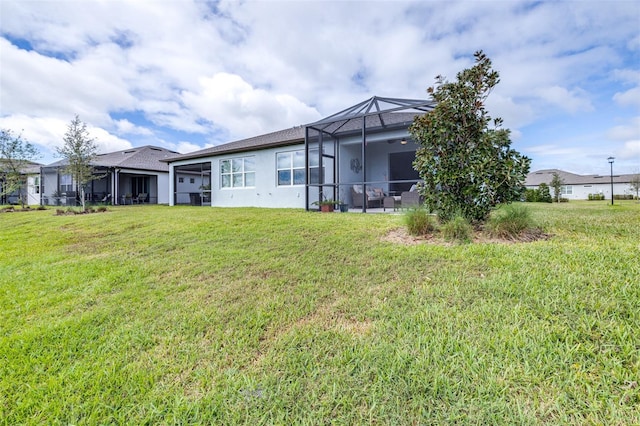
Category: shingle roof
[29,167]
[295,135]
[141,158]
[279,138]
[545,176]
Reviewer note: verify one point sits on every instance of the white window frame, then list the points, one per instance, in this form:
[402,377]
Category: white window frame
[66,183]
[566,190]
[239,172]
[291,168]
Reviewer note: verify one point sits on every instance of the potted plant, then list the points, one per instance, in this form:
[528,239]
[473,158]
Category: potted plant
[326,206]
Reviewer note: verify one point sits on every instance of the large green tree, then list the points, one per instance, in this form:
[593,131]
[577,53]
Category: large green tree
[79,149]
[465,158]
[15,155]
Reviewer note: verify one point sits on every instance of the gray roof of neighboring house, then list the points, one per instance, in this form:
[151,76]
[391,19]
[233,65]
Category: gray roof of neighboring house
[30,167]
[545,176]
[141,158]
[294,135]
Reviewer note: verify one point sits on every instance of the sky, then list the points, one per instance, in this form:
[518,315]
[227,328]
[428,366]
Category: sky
[187,75]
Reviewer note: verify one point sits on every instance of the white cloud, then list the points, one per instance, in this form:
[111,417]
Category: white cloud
[629,98]
[231,102]
[127,127]
[571,101]
[631,150]
[625,132]
[48,134]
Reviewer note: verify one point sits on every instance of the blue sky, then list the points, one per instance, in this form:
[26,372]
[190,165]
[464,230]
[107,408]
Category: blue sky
[187,75]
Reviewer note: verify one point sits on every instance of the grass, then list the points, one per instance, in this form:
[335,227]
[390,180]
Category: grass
[185,315]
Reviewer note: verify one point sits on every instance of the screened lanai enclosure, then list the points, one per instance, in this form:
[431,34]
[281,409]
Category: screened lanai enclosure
[363,156]
[192,183]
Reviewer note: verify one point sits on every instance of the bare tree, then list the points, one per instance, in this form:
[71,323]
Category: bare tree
[79,150]
[15,155]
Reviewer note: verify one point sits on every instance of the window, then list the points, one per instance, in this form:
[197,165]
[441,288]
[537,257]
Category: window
[66,183]
[238,173]
[566,190]
[180,180]
[36,184]
[291,168]
[192,180]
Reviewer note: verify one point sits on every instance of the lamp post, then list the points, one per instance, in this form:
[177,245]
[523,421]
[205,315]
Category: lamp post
[610,159]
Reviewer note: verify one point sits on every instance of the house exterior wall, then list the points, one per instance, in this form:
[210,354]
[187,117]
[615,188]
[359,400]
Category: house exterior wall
[582,191]
[33,190]
[264,193]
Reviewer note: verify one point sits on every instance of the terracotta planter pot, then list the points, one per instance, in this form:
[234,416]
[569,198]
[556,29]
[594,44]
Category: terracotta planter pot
[327,208]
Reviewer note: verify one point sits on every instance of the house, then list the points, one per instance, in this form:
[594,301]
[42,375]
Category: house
[363,148]
[136,175]
[30,190]
[578,187]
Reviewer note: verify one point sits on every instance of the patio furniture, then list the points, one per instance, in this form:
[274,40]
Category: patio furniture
[410,199]
[373,196]
[142,197]
[391,202]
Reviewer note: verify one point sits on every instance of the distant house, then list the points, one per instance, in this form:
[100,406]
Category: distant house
[136,175]
[578,187]
[362,151]
[30,190]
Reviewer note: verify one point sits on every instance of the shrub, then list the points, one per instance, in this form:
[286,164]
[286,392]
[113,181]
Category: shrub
[458,229]
[102,209]
[420,222]
[544,195]
[531,195]
[510,221]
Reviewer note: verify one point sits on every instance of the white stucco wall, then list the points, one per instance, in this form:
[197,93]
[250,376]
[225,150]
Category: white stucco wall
[581,192]
[265,193]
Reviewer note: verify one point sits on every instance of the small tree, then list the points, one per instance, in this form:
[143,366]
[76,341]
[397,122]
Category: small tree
[556,183]
[465,159]
[543,193]
[15,155]
[635,184]
[79,150]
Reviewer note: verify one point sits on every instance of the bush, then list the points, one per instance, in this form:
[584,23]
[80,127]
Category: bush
[531,195]
[544,193]
[420,222]
[540,195]
[510,221]
[458,229]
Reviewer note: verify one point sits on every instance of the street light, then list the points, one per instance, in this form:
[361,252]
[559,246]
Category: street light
[610,159]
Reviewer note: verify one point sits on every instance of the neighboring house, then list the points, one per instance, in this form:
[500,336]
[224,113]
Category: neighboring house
[578,187]
[30,190]
[136,175]
[365,146]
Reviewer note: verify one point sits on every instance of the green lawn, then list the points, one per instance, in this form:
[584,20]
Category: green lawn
[194,315]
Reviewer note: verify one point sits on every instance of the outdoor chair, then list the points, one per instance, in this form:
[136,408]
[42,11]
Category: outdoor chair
[410,199]
[373,196]
[142,197]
